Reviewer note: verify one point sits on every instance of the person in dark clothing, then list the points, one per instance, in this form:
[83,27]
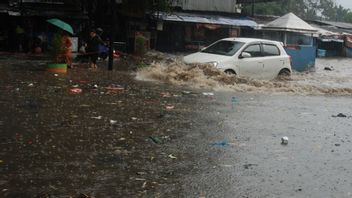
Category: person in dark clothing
[93,48]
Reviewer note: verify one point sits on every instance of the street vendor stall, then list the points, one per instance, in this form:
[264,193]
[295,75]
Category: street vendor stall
[298,38]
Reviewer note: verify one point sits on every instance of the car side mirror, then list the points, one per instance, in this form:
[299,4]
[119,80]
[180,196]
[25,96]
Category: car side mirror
[245,55]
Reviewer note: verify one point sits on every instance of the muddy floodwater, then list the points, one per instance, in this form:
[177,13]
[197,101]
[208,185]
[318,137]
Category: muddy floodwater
[170,130]
[330,76]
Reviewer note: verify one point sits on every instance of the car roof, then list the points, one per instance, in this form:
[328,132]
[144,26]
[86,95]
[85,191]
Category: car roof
[247,40]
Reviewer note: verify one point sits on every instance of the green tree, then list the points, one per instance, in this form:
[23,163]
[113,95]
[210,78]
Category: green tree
[306,9]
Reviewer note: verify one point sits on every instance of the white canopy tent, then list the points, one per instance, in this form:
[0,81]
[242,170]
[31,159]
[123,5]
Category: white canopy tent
[290,23]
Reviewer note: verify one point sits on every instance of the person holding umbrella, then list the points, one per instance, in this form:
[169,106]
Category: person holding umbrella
[65,51]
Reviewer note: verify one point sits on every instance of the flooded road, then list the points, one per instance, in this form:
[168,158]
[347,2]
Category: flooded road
[104,134]
[250,161]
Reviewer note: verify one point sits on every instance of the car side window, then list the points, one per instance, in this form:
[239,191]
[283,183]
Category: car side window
[270,50]
[253,50]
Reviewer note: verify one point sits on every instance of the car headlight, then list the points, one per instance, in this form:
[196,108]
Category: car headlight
[214,63]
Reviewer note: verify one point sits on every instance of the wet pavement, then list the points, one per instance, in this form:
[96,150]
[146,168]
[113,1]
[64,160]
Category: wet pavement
[252,162]
[104,134]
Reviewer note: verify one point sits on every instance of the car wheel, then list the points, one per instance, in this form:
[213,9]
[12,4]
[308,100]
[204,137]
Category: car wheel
[230,72]
[284,74]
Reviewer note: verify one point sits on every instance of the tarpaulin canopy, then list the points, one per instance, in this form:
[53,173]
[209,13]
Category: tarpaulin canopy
[207,19]
[290,23]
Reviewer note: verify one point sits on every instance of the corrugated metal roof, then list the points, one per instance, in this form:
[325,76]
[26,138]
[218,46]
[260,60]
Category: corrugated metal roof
[207,19]
[255,1]
[229,6]
[337,24]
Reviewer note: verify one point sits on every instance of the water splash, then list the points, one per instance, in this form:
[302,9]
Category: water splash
[318,82]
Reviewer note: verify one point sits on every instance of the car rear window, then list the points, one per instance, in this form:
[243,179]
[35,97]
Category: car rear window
[227,48]
[270,50]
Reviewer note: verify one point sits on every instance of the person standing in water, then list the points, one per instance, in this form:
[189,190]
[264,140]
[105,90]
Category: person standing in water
[93,48]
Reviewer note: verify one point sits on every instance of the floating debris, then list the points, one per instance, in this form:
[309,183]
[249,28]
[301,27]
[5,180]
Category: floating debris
[114,88]
[247,166]
[76,91]
[221,144]
[144,185]
[208,94]
[165,94]
[112,122]
[172,157]
[98,117]
[156,140]
[340,115]
[170,107]
[328,68]
[284,140]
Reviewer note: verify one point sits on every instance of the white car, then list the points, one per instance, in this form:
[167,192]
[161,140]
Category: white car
[254,58]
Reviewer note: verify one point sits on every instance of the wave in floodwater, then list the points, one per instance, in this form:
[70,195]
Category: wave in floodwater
[336,81]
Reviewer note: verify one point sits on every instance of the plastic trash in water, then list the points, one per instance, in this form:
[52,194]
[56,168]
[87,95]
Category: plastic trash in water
[97,117]
[76,90]
[165,94]
[170,107]
[221,144]
[112,122]
[115,88]
[172,157]
[208,94]
[234,102]
[284,140]
[156,140]
[340,115]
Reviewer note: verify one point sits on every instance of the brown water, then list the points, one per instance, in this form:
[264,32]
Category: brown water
[321,81]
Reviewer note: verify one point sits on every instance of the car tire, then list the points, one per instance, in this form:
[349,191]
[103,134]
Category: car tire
[230,72]
[284,74]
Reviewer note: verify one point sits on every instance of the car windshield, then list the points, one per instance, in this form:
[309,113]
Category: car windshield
[227,48]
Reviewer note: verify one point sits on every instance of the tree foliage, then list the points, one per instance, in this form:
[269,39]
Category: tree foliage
[307,9]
